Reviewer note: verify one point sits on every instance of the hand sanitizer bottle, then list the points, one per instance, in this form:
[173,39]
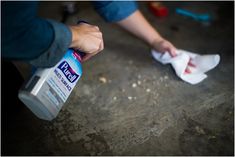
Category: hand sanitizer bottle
[48,89]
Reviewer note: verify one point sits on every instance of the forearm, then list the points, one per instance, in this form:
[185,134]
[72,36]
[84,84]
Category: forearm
[29,38]
[43,42]
[139,26]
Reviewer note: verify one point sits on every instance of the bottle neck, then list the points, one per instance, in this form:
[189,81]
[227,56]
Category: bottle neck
[77,55]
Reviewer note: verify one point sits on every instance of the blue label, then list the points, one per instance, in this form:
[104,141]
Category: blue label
[68,72]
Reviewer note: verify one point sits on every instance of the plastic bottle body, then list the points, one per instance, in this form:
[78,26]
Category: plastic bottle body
[48,89]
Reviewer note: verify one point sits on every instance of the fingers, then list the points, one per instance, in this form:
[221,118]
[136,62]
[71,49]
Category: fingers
[95,28]
[97,35]
[164,46]
[87,57]
[87,38]
[172,52]
[101,45]
[91,54]
[190,64]
[171,49]
[187,71]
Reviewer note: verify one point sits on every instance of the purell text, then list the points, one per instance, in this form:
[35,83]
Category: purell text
[68,72]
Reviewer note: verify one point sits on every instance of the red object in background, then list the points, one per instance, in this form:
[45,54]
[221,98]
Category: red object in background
[158,9]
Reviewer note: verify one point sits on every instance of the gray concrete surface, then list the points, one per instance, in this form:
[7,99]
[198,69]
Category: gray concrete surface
[162,115]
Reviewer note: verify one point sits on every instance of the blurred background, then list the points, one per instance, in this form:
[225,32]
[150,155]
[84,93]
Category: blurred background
[126,103]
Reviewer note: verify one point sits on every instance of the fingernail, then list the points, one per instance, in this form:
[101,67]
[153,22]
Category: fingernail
[187,71]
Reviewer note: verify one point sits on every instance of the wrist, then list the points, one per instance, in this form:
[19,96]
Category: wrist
[74,36]
[155,41]
[153,37]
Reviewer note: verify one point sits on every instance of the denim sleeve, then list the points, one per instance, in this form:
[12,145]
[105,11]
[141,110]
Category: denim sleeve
[32,39]
[60,44]
[113,11]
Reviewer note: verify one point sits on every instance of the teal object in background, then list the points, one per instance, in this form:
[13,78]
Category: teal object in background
[198,17]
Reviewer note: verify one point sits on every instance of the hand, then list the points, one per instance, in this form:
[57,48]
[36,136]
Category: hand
[87,38]
[164,46]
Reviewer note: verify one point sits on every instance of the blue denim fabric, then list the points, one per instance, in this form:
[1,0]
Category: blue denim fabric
[30,38]
[62,39]
[42,42]
[113,11]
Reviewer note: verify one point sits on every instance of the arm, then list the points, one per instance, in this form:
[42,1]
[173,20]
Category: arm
[139,26]
[127,15]
[42,42]
[32,39]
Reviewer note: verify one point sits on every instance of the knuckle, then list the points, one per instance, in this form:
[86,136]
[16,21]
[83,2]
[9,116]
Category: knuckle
[101,34]
[101,47]
[96,27]
[97,47]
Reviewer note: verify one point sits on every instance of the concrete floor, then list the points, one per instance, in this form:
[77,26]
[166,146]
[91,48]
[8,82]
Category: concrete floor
[173,118]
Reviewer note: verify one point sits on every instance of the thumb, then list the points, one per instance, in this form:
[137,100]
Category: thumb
[172,51]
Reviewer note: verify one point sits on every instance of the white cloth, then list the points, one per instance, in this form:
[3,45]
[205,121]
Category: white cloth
[203,63]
